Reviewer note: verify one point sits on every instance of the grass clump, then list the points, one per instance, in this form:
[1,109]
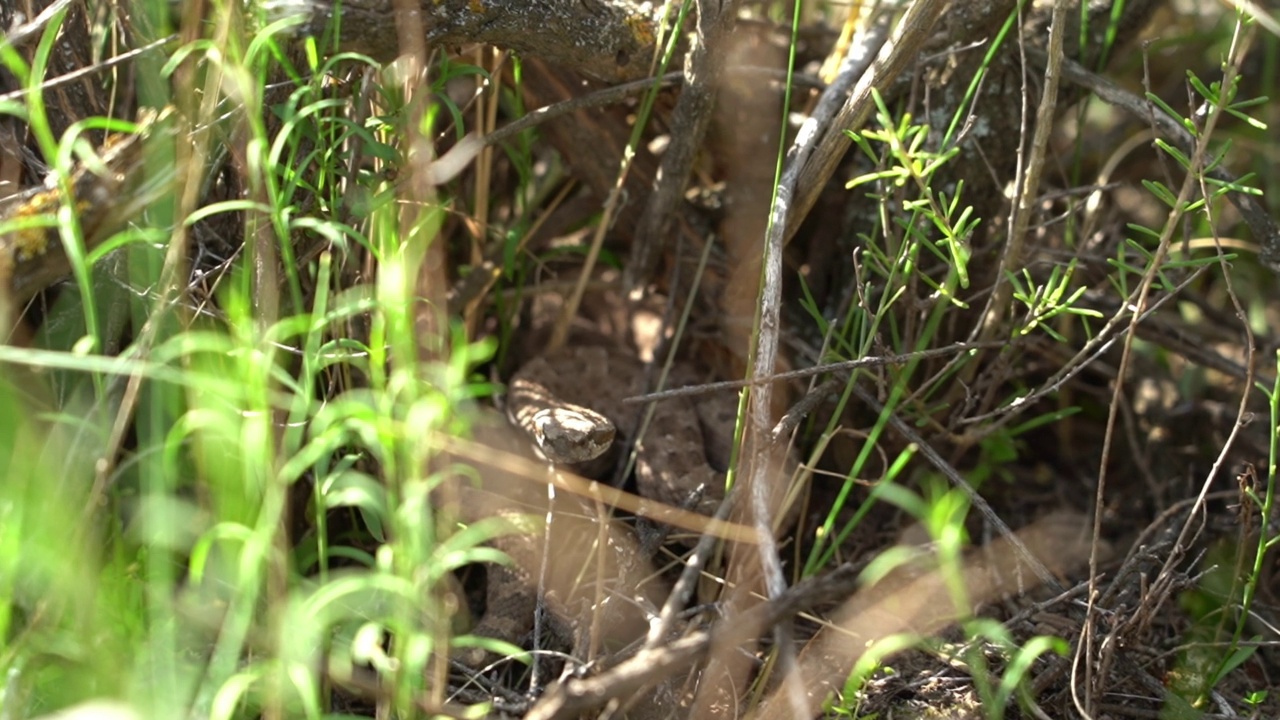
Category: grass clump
[294,272]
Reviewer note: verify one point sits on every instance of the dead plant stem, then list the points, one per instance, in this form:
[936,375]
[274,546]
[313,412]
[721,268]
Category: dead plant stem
[1086,648]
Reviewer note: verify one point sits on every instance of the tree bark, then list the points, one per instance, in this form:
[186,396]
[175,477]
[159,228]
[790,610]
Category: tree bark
[611,40]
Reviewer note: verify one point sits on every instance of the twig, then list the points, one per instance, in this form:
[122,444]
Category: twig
[852,68]
[85,72]
[893,59]
[687,583]
[763,444]
[22,34]
[801,409]
[618,93]
[604,96]
[1027,182]
[689,124]
[651,665]
[1195,166]
[942,466]
[872,361]
[1255,216]
[1092,350]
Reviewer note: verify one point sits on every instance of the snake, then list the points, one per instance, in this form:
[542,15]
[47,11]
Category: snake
[569,404]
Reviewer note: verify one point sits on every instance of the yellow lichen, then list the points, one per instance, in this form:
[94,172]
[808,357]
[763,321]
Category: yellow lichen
[641,29]
[30,243]
[33,240]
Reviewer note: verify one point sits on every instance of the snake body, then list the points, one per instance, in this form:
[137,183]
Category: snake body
[570,405]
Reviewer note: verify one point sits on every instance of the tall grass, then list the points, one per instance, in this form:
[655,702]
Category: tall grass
[229,514]
[217,499]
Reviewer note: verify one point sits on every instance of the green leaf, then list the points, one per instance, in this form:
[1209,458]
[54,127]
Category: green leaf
[1177,154]
[1161,192]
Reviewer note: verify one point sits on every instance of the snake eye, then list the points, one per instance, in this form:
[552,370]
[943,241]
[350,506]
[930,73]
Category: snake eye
[622,58]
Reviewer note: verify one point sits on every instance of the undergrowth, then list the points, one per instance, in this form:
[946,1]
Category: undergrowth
[220,436]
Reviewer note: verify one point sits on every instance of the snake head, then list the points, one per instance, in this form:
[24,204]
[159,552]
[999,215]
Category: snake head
[572,435]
